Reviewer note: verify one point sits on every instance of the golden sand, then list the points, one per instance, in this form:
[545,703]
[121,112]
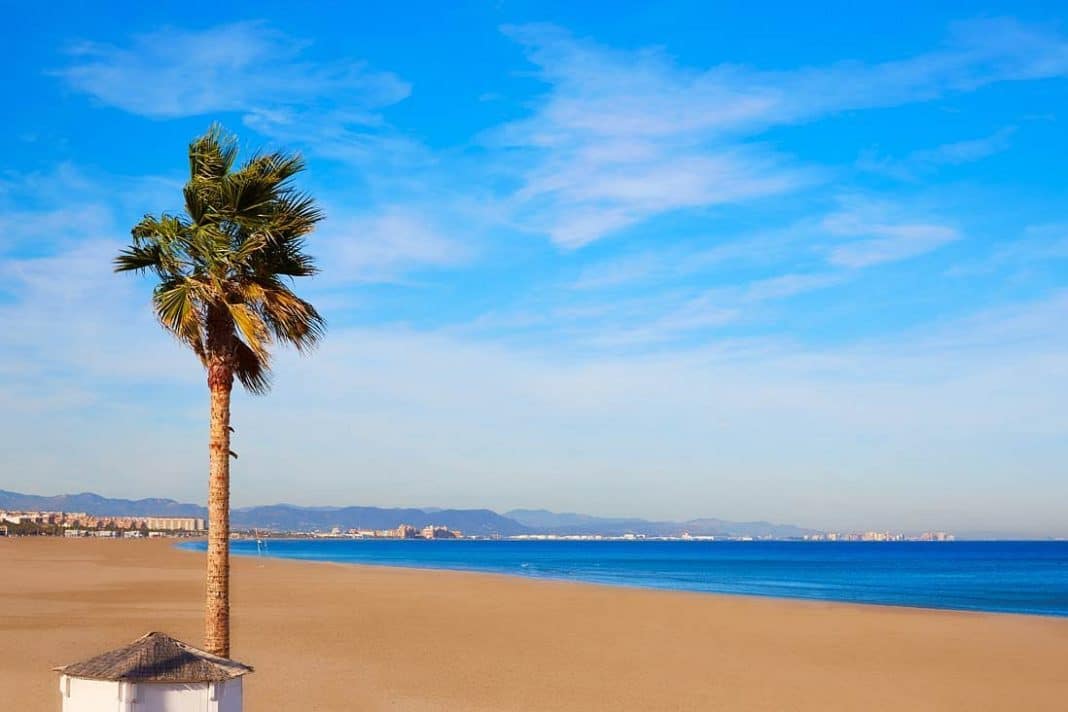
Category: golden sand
[334,637]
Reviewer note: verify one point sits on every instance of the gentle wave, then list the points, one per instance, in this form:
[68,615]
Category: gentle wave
[1008,577]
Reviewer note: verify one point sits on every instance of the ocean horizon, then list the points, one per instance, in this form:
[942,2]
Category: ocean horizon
[1025,577]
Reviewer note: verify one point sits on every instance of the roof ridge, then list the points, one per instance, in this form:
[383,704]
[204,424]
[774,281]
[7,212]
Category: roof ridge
[157,657]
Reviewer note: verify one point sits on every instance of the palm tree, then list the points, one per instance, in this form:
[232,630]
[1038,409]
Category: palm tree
[222,267]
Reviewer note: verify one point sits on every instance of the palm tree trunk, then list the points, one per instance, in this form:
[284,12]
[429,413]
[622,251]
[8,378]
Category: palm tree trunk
[217,611]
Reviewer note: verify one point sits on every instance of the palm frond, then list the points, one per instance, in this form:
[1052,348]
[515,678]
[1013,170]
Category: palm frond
[221,263]
[275,168]
[176,303]
[295,214]
[212,155]
[251,327]
[290,319]
[252,369]
[293,320]
[138,258]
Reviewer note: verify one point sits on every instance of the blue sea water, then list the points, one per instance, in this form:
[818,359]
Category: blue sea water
[1018,576]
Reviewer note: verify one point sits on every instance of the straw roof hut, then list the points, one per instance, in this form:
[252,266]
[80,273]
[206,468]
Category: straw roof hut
[154,673]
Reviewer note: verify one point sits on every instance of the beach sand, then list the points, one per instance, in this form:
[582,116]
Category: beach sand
[334,637]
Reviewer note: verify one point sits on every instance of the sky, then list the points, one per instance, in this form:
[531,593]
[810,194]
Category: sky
[800,263]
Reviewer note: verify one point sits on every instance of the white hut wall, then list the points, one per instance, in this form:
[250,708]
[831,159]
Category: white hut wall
[98,696]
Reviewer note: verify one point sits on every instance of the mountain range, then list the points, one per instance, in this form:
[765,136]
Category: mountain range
[571,523]
[288,517]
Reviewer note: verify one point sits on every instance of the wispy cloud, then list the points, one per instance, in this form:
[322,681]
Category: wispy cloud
[1038,246]
[248,68]
[877,233]
[789,285]
[676,318]
[965,151]
[949,154]
[620,138]
[46,211]
[385,245]
[768,248]
[240,67]
[623,136]
[35,231]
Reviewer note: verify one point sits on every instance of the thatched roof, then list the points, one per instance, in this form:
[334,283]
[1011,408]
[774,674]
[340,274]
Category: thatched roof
[157,657]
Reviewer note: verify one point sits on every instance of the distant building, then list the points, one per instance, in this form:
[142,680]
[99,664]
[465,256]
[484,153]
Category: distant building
[432,532]
[81,520]
[405,531]
[174,524]
[936,536]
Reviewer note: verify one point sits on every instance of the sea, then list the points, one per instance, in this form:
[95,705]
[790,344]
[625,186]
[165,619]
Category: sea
[1029,577]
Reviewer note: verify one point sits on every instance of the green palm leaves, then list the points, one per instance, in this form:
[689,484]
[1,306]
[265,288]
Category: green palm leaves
[223,263]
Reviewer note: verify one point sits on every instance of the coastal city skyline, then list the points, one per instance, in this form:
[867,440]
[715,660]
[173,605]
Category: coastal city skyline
[36,515]
[750,267]
[83,524]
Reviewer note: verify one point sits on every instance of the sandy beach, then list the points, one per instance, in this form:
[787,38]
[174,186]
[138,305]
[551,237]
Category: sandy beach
[333,637]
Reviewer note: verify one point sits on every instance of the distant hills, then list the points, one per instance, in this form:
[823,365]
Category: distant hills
[570,523]
[95,504]
[288,517]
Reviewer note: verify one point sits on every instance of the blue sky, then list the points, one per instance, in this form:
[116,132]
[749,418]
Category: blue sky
[800,264]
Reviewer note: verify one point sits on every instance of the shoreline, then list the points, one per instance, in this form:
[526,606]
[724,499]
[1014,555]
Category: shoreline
[366,637]
[192,547]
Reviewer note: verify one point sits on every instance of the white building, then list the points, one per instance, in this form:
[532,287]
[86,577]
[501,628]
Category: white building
[174,524]
[155,673]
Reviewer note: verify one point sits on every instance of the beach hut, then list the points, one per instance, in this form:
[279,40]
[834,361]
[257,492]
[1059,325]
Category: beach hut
[155,673]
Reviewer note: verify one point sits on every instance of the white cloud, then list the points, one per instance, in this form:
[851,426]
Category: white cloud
[70,320]
[766,249]
[624,136]
[385,245]
[879,234]
[621,271]
[789,285]
[577,199]
[677,317]
[250,68]
[37,230]
[241,67]
[891,244]
[73,328]
[951,154]
[966,151]
[47,211]
[342,136]
[1048,241]
[1039,247]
